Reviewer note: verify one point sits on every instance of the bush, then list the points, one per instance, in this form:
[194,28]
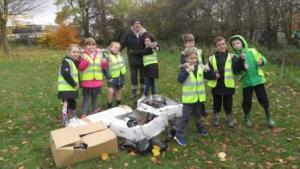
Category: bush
[64,36]
[60,38]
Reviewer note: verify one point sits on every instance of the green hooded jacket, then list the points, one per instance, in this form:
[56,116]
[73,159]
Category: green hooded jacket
[254,75]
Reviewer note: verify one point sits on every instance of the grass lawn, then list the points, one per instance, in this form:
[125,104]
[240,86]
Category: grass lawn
[29,110]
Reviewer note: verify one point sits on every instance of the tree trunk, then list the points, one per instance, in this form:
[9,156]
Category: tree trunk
[3,38]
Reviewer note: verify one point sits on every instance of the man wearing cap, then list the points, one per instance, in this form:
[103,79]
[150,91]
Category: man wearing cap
[134,40]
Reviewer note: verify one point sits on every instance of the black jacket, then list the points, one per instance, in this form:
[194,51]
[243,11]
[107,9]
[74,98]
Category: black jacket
[132,42]
[65,71]
[237,66]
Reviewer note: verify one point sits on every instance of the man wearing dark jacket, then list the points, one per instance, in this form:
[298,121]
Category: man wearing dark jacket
[134,40]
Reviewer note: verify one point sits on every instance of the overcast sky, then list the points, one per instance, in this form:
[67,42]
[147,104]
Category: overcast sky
[44,14]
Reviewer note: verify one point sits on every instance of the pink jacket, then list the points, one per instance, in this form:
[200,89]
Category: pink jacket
[83,64]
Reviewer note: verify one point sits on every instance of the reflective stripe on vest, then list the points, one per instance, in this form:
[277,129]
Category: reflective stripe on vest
[150,59]
[116,65]
[193,89]
[228,74]
[63,85]
[93,71]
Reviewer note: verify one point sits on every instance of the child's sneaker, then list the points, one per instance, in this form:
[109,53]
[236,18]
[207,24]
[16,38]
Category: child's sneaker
[180,140]
[271,123]
[203,132]
[248,121]
[216,120]
[229,121]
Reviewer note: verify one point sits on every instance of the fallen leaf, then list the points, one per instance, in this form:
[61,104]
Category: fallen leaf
[104,156]
[126,164]
[24,142]
[132,153]
[208,162]
[1,158]
[222,156]
[4,151]
[156,150]
[153,159]
[175,150]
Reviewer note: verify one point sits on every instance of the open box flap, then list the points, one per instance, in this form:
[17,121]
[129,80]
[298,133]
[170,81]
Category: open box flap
[90,128]
[98,138]
[64,136]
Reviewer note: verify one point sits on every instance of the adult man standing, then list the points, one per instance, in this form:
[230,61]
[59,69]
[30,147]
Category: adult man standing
[134,40]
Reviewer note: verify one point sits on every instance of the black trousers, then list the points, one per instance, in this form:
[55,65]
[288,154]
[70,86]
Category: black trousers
[261,95]
[227,103]
[134,71]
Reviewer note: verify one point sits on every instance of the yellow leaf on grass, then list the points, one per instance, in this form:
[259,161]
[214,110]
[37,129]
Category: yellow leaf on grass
[156,150]
[104,156]
[153,159]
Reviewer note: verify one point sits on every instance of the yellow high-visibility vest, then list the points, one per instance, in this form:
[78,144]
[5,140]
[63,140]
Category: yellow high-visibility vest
[63,85]
[193,89]
[228,74]
[116,65]
[93,71]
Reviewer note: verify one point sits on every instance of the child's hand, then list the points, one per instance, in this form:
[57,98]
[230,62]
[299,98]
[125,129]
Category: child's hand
[104,64]
[110,80]
[185,65]
[206,67]
[246,66]
[243,57]
[259,62]
[153,45]
[218,75]
[190,68]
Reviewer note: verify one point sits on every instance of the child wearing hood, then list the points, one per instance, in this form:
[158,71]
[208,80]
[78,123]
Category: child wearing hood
[252,78]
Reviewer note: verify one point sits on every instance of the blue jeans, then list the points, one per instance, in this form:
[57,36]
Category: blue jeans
[149,84]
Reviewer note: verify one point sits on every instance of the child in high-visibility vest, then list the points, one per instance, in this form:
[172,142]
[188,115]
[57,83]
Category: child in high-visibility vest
[150,63]
[252,78]
[224,64]
[115,74]
[91,75]
[68,83]
[191,75]
[189,42]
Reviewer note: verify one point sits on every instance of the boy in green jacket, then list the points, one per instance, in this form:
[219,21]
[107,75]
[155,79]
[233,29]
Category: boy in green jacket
[252,78]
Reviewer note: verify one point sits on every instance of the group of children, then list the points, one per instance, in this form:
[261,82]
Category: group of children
[87,68]
[219,71]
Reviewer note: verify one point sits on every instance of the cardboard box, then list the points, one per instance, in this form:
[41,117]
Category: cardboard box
[97,136]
